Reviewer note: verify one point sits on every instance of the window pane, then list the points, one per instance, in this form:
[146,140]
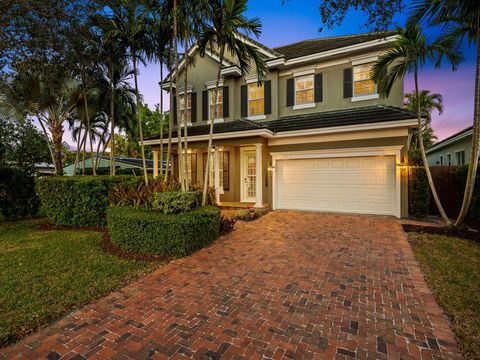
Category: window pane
[255,99]
[218,103]
[364,87]
[304,90]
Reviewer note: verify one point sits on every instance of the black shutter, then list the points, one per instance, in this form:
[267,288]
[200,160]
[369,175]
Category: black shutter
[175,110]
[268,96]
[194,168]
[243,101]
[205,105]
[381,83]
[193,102]
[318,88]
[290,92]
[226,170]
[347,83]
[226,106]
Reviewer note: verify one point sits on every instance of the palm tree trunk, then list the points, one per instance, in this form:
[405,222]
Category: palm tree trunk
[210,137]
[444,216]
[97,152]
[77,156]
[47,138]
[112,122]
[170,122]
[85,103]
[472,168]
[57,135]
[161,116]
[140,129]
[179,127]
[185,125]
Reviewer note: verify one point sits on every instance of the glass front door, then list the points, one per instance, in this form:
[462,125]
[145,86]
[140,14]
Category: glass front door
[249,170]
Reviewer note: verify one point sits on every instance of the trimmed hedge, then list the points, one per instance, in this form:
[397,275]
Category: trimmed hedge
[419,193]
[78,200]
[150,231]
[461,177]
[18,198]
[176,202]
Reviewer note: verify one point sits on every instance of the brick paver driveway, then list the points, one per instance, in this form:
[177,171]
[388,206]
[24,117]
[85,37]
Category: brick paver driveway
[291,284]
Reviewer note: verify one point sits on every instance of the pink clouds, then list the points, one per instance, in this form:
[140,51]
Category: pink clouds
[457,89]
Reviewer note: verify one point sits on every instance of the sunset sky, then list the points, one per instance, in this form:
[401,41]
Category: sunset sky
[297,20]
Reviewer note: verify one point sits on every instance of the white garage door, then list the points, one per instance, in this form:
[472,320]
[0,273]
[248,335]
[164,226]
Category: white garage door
[350,184]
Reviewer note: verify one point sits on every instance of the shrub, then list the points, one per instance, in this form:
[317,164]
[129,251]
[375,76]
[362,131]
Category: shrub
[249,215]
[227,224]
[78,200]
[149,231]
[140,195]
[176,202]
[419,193]
[17,194]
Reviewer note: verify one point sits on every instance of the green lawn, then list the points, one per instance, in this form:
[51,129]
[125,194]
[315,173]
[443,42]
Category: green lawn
[45,274]
[452,269]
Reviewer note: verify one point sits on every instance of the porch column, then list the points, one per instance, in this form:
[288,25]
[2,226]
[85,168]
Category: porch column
[258,176]
[216,170]
[155,164]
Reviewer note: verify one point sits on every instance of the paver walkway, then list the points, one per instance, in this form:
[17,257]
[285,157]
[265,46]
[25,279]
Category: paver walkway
[289,285]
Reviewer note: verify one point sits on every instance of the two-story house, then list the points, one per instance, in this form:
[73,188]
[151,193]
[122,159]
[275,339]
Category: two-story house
[315,135]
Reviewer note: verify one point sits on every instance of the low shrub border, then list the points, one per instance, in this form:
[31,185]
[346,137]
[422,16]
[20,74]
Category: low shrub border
[78,200]
[17,194]
[150,231]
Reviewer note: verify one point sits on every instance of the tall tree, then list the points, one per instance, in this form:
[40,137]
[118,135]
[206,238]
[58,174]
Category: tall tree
[459,19]
[409,53]
[224,32]
[428,103]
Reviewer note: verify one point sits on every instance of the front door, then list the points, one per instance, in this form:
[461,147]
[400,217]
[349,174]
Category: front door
[248,173]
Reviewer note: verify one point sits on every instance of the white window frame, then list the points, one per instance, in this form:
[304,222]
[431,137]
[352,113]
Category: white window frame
[181,109]
[211,93]
[355,97]
[457,153]
[308,104]
[258,116]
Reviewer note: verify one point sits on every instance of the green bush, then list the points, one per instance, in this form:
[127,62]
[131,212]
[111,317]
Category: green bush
[419,193]
[249,214]
[78,200]
[17,194]
[149,231]
[176,202]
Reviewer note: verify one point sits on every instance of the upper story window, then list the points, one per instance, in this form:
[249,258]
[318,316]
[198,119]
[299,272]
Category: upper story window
[304,90]
[256,99]
[212,104]
[185,109]
[363,85]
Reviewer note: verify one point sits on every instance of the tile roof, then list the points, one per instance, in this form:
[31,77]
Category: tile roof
[313,46]
[354,116]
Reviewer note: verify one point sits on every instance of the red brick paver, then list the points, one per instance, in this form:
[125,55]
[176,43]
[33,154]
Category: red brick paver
[289,285]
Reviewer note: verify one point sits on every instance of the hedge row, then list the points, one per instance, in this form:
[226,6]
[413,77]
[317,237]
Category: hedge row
[418,193]
[150,231]
[78,200]
[17,194]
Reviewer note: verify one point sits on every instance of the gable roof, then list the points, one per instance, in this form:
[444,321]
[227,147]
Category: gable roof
[313,46]
[451,139]
[325,119]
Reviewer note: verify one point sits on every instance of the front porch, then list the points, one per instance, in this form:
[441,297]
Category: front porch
[238,170]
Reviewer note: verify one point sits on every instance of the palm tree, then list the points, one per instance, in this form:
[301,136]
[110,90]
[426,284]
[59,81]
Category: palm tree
[224,32]
[130,27]
[459,19]
[409,53]
[48,94]
[428,103]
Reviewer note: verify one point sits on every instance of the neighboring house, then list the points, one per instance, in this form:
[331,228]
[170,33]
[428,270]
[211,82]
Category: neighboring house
[45,169]
[315,135]
[453,151]
[122,164]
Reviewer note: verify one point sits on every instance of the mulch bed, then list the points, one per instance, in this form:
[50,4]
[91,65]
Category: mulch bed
[437,230]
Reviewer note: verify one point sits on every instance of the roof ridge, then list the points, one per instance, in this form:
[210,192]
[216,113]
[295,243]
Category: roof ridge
[334,37]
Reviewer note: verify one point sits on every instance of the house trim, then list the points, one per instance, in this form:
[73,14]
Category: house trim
[442,144]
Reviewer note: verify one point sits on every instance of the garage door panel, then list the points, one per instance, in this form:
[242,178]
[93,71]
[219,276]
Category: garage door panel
[353,184]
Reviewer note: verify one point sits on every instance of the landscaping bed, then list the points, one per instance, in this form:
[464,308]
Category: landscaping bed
[47,272]
[452,269]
